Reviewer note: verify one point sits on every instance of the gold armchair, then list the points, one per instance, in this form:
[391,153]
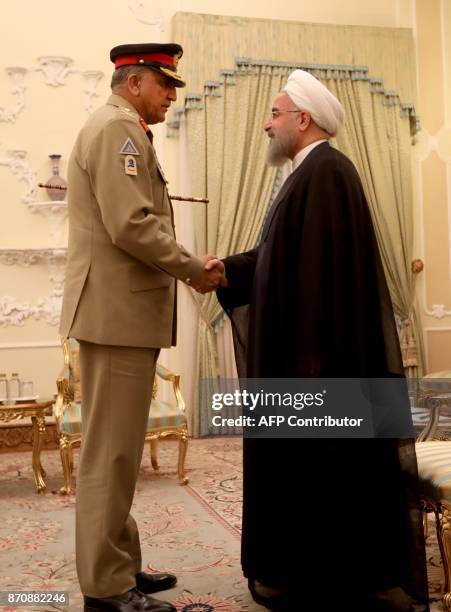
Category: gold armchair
[165,418]
[434,467]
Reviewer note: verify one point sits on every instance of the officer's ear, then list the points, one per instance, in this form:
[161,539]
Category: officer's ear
[134,83]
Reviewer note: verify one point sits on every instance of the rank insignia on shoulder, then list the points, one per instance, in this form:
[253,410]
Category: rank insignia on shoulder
[128,148]
[160,170]
[130,165]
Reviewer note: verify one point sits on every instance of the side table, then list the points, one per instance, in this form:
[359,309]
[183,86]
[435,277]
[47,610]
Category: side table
[37,411]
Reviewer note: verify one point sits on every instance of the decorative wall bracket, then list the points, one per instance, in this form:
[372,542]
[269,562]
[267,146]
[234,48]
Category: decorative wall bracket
[138,9]
[17,75]
[56,214]
[15,160]
[438,311]
[55,69]
[92,78]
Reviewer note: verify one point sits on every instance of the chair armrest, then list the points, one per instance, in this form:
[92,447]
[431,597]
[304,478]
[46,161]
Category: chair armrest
[65,392]
[166,374]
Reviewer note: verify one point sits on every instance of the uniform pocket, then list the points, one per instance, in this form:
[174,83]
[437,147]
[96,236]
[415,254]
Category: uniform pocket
[142,278]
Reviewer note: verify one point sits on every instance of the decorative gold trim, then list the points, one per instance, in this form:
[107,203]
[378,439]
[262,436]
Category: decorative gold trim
[172,74]
[443,532]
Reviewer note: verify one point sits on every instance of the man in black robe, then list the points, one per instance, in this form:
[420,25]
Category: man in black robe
[326,523]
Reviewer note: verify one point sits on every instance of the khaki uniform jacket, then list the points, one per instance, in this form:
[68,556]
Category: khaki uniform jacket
[123,256]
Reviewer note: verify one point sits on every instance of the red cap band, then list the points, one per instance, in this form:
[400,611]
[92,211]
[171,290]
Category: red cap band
[131,60]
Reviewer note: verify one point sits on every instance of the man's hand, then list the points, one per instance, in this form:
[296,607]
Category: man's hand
[213,275]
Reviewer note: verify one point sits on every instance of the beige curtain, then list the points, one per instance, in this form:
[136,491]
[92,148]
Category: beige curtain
[377,137]
[227,148]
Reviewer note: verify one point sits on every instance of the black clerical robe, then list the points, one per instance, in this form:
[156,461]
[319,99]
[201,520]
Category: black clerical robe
[341,515]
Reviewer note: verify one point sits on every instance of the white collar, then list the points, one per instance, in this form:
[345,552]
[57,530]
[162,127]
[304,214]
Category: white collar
[302,154]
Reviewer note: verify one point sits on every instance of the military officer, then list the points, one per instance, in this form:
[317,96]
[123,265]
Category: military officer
[120,304]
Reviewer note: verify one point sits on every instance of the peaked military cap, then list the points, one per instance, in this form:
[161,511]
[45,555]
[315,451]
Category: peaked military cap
[160,57]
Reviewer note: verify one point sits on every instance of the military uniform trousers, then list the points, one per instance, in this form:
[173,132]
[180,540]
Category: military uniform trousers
[116,385]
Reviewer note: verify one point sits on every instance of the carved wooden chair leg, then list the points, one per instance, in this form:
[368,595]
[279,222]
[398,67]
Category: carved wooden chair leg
[183,447]
[153,453]
[71,458]
[425,510]
[65,451]
[443,520]
[425,525]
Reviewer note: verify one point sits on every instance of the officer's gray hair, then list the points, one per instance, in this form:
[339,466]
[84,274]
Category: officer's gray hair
[120,75]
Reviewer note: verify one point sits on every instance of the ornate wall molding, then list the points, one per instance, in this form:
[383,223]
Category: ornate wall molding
[438,311]
[26,257]
[47,308]
[138,9]
[55,69]
[13,313]
[56,214]
[16,162]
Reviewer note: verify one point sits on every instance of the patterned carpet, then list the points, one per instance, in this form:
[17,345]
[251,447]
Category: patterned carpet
[192,531]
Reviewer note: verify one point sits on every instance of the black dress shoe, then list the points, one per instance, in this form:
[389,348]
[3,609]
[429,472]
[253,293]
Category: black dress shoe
[270,597]
[131,601]
[152,583]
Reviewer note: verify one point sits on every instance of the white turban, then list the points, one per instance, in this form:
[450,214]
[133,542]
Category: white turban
[310,95]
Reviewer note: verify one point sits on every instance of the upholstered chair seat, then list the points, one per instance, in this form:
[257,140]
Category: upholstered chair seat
[165,418]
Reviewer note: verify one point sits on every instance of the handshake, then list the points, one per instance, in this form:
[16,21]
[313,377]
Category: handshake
[212,276]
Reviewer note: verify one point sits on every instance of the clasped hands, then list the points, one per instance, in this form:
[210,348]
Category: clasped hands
[213,275]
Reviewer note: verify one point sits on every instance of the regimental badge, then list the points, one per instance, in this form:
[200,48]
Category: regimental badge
[177,57]
[128,148]
[130,165]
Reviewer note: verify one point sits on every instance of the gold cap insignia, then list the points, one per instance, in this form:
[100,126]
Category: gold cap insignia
[177,57]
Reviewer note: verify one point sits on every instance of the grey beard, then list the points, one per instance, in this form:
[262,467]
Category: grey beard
[278,152]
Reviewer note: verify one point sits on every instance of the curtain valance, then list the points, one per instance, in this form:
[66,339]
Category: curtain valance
[212,42]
